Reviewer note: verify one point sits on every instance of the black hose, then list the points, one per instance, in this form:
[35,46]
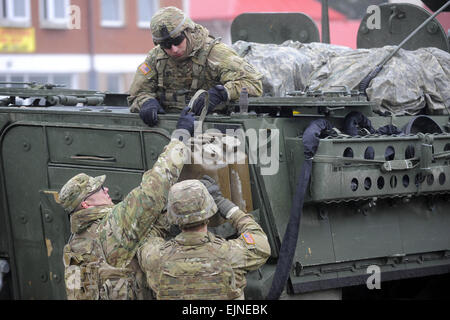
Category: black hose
[354,121]
[365,82]
[311,139]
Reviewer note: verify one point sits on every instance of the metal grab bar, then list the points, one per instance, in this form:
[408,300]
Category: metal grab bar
[94,158]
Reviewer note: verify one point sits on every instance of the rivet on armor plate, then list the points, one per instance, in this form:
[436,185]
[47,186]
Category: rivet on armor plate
[68,138]
[120,141]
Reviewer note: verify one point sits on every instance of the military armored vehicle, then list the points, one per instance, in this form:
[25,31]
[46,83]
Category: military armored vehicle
[372,204]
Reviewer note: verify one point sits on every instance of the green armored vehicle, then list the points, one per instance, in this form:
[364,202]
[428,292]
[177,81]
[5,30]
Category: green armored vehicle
[348,191]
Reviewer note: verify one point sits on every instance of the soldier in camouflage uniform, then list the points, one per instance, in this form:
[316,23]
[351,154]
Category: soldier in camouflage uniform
[186,58]
[99,258]
[196,264]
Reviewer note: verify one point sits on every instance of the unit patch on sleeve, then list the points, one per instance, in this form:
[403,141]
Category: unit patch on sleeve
[248,238]
[145,69]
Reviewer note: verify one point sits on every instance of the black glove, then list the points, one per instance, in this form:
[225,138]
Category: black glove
[149,112]
[217,94]
[223,204]
[185,125]
[212,187]
[186,121]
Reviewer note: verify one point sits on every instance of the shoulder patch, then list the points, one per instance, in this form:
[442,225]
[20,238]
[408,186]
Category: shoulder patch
[145,69]
[248,238]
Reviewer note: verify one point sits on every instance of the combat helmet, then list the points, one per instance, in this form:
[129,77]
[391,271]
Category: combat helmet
[77,189]
[190,203]
[169,22]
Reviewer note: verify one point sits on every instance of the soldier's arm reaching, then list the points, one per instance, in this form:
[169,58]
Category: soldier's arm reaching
[234,73]
[251,249]
[121,231]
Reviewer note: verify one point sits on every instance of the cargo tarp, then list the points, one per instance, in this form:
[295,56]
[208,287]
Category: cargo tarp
[408,83]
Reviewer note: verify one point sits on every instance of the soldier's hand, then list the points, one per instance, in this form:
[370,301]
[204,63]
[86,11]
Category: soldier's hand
[149,112]
[186,121]
[217,94]
[212,187]
[224,205]
[185,126]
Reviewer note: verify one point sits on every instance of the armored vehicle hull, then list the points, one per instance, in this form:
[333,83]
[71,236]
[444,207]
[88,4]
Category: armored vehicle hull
[357,213]
[375,206]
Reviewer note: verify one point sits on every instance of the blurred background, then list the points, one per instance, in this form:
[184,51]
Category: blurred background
[98,44]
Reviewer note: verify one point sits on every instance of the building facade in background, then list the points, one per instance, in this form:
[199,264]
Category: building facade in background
[84,44]
[98,44]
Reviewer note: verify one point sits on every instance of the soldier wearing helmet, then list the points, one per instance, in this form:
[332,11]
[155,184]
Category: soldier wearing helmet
[99,258]
[196,265]
[185,59]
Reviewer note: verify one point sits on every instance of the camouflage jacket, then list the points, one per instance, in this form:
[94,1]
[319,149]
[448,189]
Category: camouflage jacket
[98,259]
[209,63]
[196,265]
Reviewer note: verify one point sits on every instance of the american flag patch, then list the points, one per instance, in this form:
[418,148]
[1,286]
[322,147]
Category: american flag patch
[248,238]
[145,69]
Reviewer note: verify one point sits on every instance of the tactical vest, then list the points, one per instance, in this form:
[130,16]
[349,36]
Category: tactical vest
[196,273]
[89,277]
[179,99]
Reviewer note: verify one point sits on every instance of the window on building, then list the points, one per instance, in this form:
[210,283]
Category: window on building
[186,7]
[146,10]
[112,13]
[2,79]
[64,79]
[68,80]
[114,82]
[17,78]
[43,79]
[15,13]
[54,13]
